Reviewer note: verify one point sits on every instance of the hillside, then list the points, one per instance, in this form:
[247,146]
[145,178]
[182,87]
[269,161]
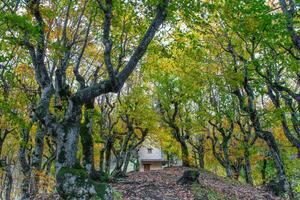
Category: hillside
[161,185]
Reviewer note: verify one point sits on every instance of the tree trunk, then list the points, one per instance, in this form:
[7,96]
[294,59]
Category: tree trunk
[72,181]
[184,154]
[201,156]
[248,171]
[195,158]
[1,146]
[226,160]
[117,172]
[67,142]
[37,159]
[25,167]
[49,164]
[9,181]
[168,159]
[267,136]
[101,160]
[87,142]
[283,181]
[126,163]
[108,150]
[263,171]
[275,97]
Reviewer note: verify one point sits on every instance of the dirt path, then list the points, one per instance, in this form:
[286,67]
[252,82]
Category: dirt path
[161,185]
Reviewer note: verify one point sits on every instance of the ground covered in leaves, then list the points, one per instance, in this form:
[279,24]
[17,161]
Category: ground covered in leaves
[161,185]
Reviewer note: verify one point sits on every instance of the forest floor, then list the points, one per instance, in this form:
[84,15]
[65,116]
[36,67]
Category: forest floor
[161,185]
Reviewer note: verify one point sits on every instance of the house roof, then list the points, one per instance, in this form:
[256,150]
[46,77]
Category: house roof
[152,160]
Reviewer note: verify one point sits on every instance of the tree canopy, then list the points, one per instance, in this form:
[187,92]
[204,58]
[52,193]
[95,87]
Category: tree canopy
[86,83]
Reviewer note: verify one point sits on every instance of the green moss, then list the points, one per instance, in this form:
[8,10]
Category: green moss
[84,180]
[117,195]
[75,171]
[100,188]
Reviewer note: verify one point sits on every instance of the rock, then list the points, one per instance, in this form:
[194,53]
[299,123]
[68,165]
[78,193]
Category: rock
[76,184]
[189,177]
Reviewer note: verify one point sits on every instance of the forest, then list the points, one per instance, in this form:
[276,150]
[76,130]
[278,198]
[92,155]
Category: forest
[86,84]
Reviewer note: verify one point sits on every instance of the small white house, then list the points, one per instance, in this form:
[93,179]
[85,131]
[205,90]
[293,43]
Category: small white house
[150,158]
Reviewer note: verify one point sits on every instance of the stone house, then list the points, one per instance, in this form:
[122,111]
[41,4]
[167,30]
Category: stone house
[150,158]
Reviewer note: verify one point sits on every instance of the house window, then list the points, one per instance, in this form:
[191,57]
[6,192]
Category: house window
[149,150]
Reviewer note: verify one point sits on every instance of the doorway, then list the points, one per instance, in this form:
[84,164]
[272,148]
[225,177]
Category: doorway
[146,167]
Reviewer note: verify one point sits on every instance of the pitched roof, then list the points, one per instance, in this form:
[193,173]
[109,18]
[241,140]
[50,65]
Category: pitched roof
[152,160]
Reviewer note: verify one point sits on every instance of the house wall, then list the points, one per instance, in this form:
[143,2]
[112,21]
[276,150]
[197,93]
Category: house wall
[156,153]
[153,166]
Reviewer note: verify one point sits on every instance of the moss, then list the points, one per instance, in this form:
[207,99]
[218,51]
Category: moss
[117,195]
[83,180]
[101,176]
[100,188]
[75,171]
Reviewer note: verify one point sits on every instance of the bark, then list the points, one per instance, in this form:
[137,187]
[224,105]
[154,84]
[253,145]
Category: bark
[247,144]
[226,158]
[101,160]
[248,170]
[169,159]
[109,146]
[226,134]
[52,155]
[130,142]
[263,171]
[222,159]
[36,162]
[289,14]
[8,181]
[1,146]
[48,164]
[201,158]
[184,154]
[283,181]
[197,144]
[180,135]
[25,167]
[267,136]
[87,142]
[67,145]
[3,136]
[274,96]
[294,119]
[249,107]
[127,161]
[117,172]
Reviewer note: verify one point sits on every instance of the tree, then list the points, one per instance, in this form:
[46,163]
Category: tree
[62,46]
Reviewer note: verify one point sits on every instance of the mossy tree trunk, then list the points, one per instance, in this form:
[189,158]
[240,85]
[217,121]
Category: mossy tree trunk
[37,158]
[54,85]
[248,170]
[25,163]
[222,156]
[184,154]
[86,138]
